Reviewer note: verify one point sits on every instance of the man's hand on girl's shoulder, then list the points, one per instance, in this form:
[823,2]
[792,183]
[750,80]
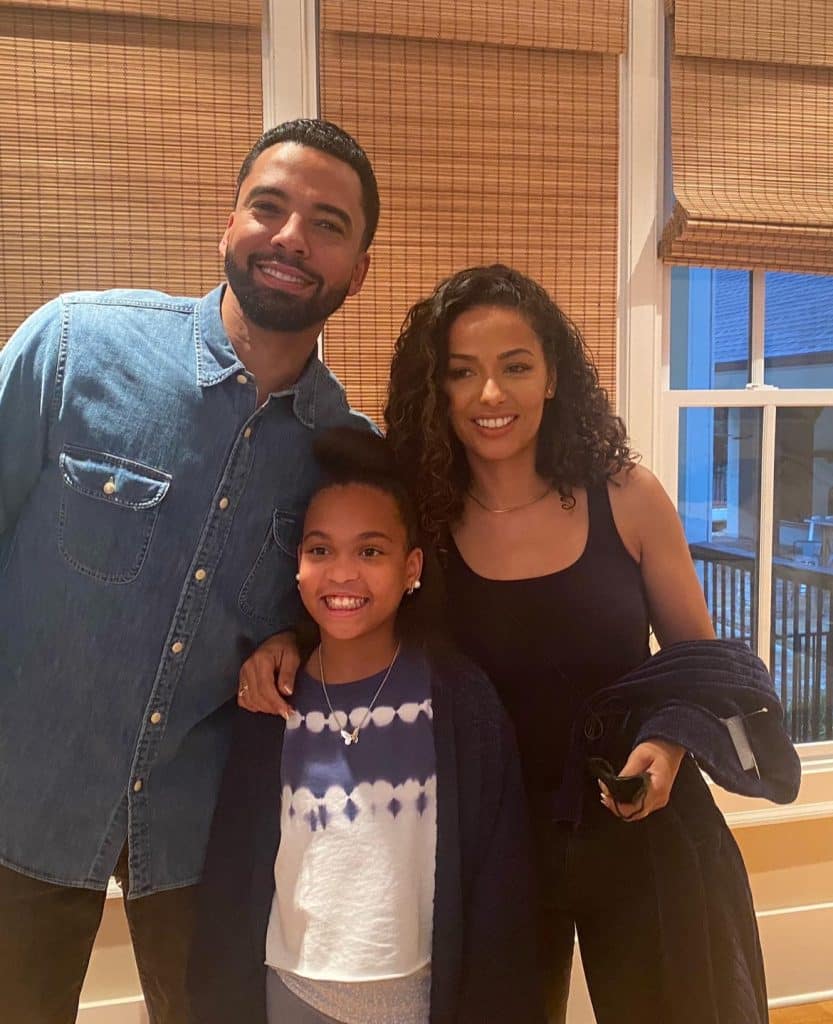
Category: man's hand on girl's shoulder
[267,677]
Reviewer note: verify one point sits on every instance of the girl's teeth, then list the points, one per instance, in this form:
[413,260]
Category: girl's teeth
[344,603]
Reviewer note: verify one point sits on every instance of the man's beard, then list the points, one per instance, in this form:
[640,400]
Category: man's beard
[275,310]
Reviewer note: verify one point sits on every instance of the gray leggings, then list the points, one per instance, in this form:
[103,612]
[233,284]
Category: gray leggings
[284,1007]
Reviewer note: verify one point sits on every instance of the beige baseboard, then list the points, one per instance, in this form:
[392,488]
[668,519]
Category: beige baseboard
[797,945]
[130,1010]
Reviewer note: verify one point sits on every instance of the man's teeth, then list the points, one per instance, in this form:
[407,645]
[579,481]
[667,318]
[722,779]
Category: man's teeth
[494,423]
[345,603]
[281,275]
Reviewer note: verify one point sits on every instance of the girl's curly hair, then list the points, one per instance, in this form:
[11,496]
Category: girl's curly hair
[580,442]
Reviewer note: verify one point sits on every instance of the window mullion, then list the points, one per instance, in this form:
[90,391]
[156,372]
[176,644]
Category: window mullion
[767,526]
[756,329]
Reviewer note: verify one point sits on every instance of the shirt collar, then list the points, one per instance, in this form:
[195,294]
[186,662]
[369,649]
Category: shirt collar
[217,360]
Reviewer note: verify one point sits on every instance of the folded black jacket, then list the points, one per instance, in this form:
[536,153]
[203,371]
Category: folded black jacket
[712,967]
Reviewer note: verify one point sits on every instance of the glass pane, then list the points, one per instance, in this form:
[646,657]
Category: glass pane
[802,571]
[710,328]
[719,503]
[798,331]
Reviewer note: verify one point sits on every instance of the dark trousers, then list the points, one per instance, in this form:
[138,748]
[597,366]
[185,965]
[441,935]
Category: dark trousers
[46,937]
[596,881]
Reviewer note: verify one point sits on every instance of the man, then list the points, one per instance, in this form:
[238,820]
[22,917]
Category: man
[155,458]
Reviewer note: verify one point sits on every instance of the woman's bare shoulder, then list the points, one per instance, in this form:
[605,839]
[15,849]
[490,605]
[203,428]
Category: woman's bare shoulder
[640,507]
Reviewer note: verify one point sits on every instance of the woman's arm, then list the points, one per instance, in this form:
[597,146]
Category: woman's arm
[653,534]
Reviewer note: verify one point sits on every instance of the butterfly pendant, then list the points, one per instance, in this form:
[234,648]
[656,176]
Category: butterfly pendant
[350,737]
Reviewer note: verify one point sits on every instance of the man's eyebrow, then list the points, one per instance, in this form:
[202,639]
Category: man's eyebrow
[279,193]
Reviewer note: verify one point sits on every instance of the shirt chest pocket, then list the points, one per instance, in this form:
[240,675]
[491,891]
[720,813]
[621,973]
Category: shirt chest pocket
[109,507]
[269,593]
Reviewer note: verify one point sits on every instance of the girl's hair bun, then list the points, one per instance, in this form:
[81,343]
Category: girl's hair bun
[348,455]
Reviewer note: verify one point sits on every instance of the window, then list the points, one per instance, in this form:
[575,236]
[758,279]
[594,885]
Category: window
[750,412]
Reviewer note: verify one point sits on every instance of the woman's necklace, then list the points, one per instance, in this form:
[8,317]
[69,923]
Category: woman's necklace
[352,736]
[512,508]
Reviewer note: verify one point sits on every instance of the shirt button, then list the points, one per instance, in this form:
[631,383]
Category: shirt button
[137,786]
[177,647]
[223,502]
[110,486]
[200,575]
[156,718]
[242,378]
[247,432]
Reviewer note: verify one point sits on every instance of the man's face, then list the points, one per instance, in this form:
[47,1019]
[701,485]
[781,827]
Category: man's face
[293,245]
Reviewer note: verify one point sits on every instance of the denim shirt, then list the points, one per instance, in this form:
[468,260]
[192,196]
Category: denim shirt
[149,519]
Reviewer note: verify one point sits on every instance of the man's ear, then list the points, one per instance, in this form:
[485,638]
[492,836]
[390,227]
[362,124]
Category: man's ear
[224,240]
[359,273]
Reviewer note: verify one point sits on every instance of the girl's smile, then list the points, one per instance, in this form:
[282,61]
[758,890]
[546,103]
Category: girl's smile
[354,563]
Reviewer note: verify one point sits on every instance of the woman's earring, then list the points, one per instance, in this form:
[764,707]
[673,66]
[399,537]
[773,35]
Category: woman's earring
[549,393]
[414,586]
[298,578]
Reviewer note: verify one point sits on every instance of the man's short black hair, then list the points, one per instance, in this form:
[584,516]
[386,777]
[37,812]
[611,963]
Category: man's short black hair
[330,139]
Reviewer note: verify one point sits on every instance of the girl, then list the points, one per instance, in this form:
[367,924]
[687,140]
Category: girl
[367,862]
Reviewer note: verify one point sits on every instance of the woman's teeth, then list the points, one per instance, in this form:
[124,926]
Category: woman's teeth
[494,423]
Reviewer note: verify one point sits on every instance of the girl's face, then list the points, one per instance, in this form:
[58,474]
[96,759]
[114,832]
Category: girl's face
[355,564]
[497,381]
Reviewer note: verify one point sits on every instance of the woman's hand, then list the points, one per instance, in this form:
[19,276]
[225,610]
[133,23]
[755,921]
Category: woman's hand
[660,760]
[267,674]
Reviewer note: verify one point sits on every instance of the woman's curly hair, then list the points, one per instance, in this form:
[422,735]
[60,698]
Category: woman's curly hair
[580,442]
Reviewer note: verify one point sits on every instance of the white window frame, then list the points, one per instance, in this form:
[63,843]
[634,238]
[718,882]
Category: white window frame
[290,60]
[644,396]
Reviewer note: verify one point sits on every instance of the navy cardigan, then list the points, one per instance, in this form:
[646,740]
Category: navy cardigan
[484,965]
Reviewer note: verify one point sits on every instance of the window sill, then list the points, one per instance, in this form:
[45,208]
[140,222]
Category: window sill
[814,800]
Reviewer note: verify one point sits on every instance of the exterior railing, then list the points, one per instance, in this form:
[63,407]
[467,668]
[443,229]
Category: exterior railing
[801,648]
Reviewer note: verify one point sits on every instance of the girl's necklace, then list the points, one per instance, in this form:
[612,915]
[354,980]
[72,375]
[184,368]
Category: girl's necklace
[512,508]
[352,736]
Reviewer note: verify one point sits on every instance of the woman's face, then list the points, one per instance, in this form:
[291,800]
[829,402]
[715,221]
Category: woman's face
[497,381]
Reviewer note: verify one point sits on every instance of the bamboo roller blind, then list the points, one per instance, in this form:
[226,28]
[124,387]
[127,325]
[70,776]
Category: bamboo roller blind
[124,124]
[490,142]
[752,134]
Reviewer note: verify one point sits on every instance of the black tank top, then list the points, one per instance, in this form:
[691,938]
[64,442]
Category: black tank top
[549,642]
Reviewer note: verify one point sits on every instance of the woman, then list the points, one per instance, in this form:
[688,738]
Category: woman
[561,556]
